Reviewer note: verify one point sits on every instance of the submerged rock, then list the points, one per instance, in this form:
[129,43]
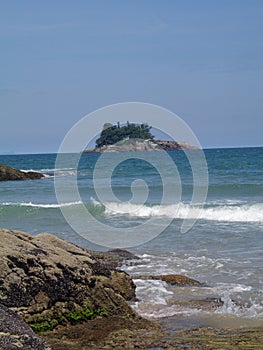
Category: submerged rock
[49,281]
[8,173]
[174,280]
[16,334]
[212,338]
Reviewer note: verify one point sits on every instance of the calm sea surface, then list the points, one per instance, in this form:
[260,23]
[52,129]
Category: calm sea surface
[224,249]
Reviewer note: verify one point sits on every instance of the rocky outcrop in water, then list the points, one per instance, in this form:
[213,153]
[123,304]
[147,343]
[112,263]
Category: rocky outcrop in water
[174,280]
[8,173]
[49,281]
[15,334]
[116,257]
[138,145]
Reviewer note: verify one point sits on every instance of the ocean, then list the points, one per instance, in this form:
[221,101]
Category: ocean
[223,248]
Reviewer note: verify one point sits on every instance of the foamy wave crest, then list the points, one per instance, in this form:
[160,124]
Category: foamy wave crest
[53,172]
[230,307]
[239,213]
[157,300]
[29,170]
[30,204]
[63,172]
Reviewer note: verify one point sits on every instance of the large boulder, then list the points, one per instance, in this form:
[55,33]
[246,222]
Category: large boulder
[16,334]
[9,173]
[49,281]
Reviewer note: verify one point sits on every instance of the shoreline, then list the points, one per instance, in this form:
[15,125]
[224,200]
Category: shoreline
[101,285]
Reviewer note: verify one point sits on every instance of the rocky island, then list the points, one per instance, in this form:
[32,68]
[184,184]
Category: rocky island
[133,138]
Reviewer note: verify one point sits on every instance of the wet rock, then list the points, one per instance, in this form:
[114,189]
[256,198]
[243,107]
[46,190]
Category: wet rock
[16,334]
[125,254]
[119,333]
[49,281]
[218,339]
[205,304]
[174,280]
[8,173]
[116,257]
[180,280]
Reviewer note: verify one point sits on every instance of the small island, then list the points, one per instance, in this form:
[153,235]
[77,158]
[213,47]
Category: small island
[133,138]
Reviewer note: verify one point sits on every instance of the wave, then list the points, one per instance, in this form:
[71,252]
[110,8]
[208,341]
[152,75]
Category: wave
[30,204]
[158,300]
[53,172]
[232,213]
[227,212]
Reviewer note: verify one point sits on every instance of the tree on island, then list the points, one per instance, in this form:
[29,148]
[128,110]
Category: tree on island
[112,134]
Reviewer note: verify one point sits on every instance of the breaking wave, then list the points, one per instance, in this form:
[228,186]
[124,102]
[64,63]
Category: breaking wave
[39,205]
[232,213]
[228,212]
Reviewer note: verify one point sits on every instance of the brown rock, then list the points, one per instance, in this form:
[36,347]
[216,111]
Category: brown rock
[174,280]
[8,173]
[116,257]
[44,277]
[180,280]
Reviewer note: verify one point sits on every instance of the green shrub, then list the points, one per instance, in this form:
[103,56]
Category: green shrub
[112,134]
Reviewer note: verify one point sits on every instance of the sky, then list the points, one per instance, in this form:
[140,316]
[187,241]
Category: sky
[60,60]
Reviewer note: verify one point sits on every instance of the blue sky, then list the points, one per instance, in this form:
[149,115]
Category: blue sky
[61,60]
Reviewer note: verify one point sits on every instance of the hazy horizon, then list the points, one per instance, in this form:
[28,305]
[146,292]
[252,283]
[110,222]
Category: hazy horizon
[201,60]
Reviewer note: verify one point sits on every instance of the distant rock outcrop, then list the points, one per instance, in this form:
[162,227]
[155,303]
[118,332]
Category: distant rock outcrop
[9,173]
[138,145]
[49,281]
[173,145]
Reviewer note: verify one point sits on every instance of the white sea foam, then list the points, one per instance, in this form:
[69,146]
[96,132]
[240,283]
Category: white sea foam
[40,205]
[232,213]
[157,300]
[230,307]
[29,170]
[53,172]
[156,291]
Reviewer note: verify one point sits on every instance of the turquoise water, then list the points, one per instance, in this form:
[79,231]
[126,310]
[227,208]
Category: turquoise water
[223,249]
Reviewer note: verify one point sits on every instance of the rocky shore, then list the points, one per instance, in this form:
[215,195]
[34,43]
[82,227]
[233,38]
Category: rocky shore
[55,295]
[138,145]
[8,173]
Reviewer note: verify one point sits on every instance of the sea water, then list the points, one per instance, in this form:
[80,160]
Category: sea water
[223,249]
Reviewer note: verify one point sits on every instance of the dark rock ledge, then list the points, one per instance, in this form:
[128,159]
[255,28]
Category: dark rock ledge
[8,173]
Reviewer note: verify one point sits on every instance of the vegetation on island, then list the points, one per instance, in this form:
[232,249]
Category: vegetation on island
[112,134]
